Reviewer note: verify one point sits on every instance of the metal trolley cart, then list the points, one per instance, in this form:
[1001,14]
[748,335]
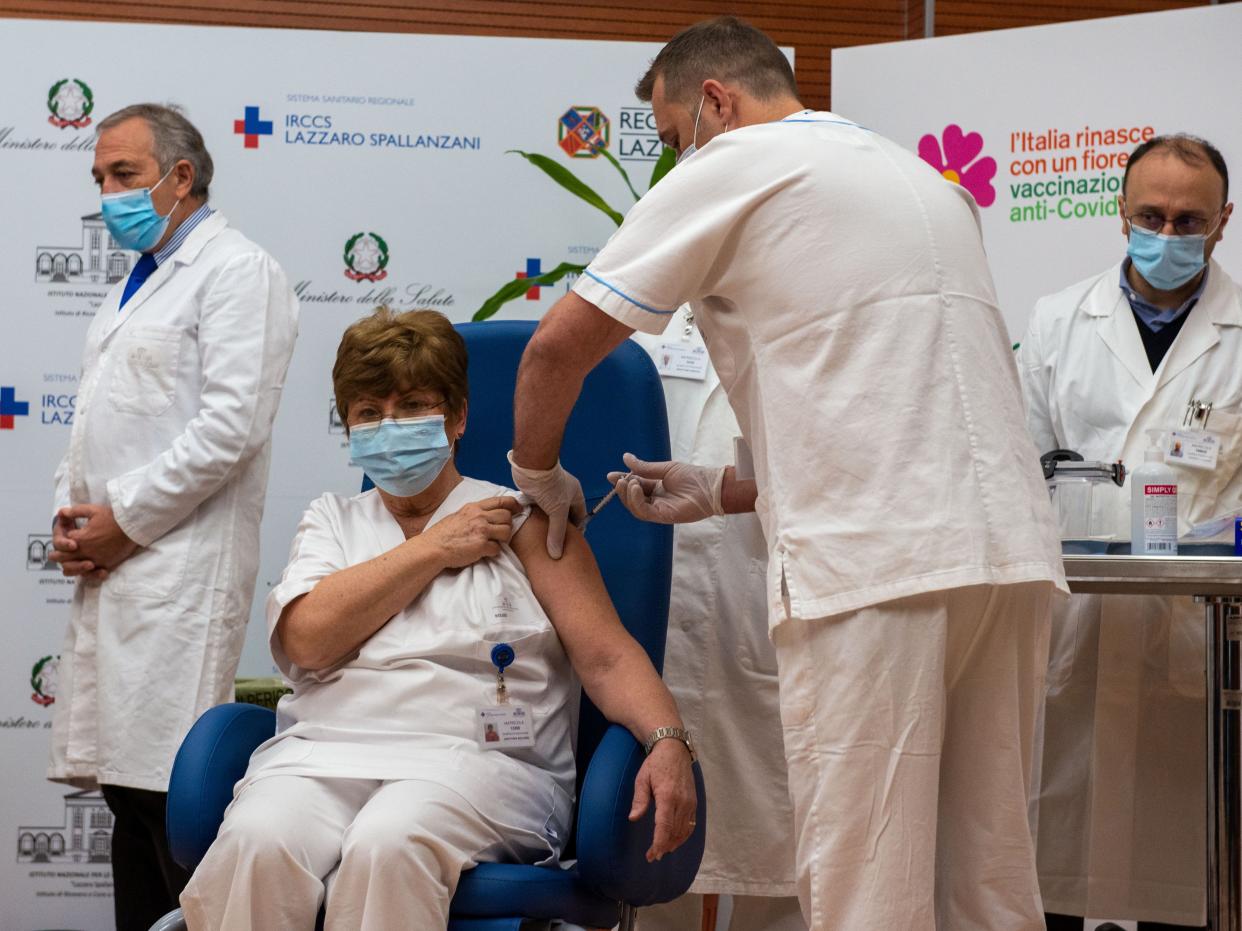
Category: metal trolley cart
[1213,576]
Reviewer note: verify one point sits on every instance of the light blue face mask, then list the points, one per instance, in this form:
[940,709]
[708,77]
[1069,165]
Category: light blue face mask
[403,457]
[1165,262]
[694,143]
[131,217]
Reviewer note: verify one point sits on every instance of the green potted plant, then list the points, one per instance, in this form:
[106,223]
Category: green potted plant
[511,290]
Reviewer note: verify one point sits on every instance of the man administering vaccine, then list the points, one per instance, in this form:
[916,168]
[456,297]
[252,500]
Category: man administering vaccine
[1104,363]
[842,291]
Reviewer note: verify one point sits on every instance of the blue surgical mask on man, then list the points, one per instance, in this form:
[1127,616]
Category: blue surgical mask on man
[1165,262]
[693,147]
[132,219]
[403,457]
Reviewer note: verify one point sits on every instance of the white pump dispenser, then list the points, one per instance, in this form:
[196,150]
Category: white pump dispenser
[1153,503]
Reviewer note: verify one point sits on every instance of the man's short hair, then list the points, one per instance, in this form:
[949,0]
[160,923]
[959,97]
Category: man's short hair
[175,138]
[1190,149]
[724,49]
[414,350]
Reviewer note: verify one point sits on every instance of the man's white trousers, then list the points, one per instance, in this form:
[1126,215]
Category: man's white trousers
[909,730]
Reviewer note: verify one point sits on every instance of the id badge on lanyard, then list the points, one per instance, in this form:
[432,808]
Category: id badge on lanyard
[506,725]
[683,359]
[1194,446]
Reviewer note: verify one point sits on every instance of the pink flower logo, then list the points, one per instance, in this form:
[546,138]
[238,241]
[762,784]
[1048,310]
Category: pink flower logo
[952,154]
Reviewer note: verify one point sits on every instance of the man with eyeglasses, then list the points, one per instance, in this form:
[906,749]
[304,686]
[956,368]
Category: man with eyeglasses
[1119,804]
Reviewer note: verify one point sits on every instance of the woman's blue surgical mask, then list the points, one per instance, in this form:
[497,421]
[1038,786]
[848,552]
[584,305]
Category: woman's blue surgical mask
[1165,262]
[131,217]
[403,457]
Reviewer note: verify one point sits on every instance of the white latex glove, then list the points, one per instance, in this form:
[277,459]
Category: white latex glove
[558,494]
[669,492]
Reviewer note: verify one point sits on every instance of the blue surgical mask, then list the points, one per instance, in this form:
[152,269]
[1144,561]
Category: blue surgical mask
[1165,262]
[403,457]
[131,217]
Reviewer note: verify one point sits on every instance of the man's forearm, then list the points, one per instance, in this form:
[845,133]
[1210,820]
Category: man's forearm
[571,340]
[547,389]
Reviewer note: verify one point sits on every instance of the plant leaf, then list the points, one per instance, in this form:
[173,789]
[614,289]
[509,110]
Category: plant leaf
[570,182]
[664,164]
[519,286]
[617,165]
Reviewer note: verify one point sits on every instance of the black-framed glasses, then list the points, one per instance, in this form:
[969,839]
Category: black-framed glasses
[1188,224]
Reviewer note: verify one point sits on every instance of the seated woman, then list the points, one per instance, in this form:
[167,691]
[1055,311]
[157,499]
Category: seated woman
[402,757]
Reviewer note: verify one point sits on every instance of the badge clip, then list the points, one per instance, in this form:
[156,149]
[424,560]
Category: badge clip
[502,656]
[507,725]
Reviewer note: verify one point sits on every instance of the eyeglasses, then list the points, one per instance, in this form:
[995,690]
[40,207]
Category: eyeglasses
[1188,224]
[369,412]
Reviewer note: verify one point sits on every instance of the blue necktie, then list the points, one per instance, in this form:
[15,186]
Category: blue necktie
[141,272]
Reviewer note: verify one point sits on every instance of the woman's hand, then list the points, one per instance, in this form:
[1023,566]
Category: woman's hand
[474,532]
[666,776]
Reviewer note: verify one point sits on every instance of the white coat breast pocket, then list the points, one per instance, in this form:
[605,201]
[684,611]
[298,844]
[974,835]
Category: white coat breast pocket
[1214,494]
[144,372]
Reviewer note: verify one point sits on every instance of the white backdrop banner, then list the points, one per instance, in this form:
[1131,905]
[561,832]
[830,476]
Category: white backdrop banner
[1037,123]
[373,168]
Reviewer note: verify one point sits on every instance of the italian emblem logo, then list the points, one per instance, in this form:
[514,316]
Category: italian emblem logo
[582,131]
[366,257]
[70,102]
[43,680]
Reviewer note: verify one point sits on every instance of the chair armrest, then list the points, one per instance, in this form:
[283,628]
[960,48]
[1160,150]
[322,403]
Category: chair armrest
[611,848]
[212,758]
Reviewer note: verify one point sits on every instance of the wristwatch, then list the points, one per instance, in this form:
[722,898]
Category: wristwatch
[677,733]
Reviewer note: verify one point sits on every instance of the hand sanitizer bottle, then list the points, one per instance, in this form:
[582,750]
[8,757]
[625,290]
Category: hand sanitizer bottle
[1153,503]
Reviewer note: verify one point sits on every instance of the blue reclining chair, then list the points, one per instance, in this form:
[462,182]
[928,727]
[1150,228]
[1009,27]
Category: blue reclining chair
[621,408]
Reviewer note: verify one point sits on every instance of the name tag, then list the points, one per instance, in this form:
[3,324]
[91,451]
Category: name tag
[510,726]
[682,360]
[1195,449]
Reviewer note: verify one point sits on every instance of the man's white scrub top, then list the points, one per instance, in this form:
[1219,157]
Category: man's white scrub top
[841,287]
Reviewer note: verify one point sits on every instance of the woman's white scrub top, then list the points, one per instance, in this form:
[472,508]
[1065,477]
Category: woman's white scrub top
[404,706]
[841,287]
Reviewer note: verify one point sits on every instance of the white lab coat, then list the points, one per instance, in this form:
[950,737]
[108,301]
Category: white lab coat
[174,414]
[1120,821]
[719,662]
[404,706]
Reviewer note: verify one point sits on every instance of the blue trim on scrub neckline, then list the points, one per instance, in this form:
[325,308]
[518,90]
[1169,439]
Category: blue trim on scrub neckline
[620,293]
[829,123]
